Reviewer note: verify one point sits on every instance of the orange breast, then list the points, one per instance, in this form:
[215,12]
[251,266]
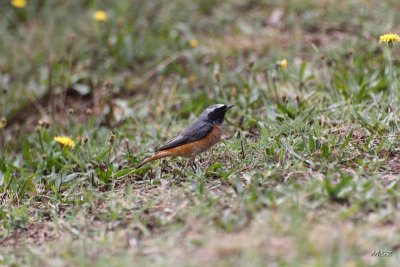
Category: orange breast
[194,148]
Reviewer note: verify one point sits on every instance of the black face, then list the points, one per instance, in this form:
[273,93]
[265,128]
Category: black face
[215,114]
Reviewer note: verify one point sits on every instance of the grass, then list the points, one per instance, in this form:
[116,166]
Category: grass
[306,173]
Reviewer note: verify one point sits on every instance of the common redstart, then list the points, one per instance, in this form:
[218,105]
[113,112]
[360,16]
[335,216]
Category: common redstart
[200,135]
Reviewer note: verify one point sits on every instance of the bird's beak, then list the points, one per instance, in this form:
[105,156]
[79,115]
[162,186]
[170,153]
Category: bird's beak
[231,106]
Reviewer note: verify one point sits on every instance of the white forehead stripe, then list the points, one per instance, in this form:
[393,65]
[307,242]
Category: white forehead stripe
[214,107]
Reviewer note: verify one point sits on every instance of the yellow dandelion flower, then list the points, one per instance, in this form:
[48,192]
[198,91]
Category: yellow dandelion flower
[100,15]
[18,3]
[389,38]
[282,63]
[193,43]
[65,141]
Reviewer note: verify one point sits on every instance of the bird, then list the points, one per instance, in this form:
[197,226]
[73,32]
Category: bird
[203,133]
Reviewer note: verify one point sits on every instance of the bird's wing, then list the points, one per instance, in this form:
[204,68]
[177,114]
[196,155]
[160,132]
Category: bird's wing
[195,131]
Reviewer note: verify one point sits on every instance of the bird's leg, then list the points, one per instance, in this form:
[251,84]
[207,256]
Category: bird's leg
[190,162]
[194,163]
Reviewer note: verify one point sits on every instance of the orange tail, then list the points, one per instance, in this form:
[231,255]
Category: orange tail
[155,156]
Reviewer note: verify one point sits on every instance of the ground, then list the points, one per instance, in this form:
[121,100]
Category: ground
[307,173]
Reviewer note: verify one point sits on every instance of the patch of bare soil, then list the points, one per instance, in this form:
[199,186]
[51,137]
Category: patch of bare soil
[34,233]
[390,165]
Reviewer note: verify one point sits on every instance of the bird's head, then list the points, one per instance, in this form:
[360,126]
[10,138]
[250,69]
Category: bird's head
[215,113]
